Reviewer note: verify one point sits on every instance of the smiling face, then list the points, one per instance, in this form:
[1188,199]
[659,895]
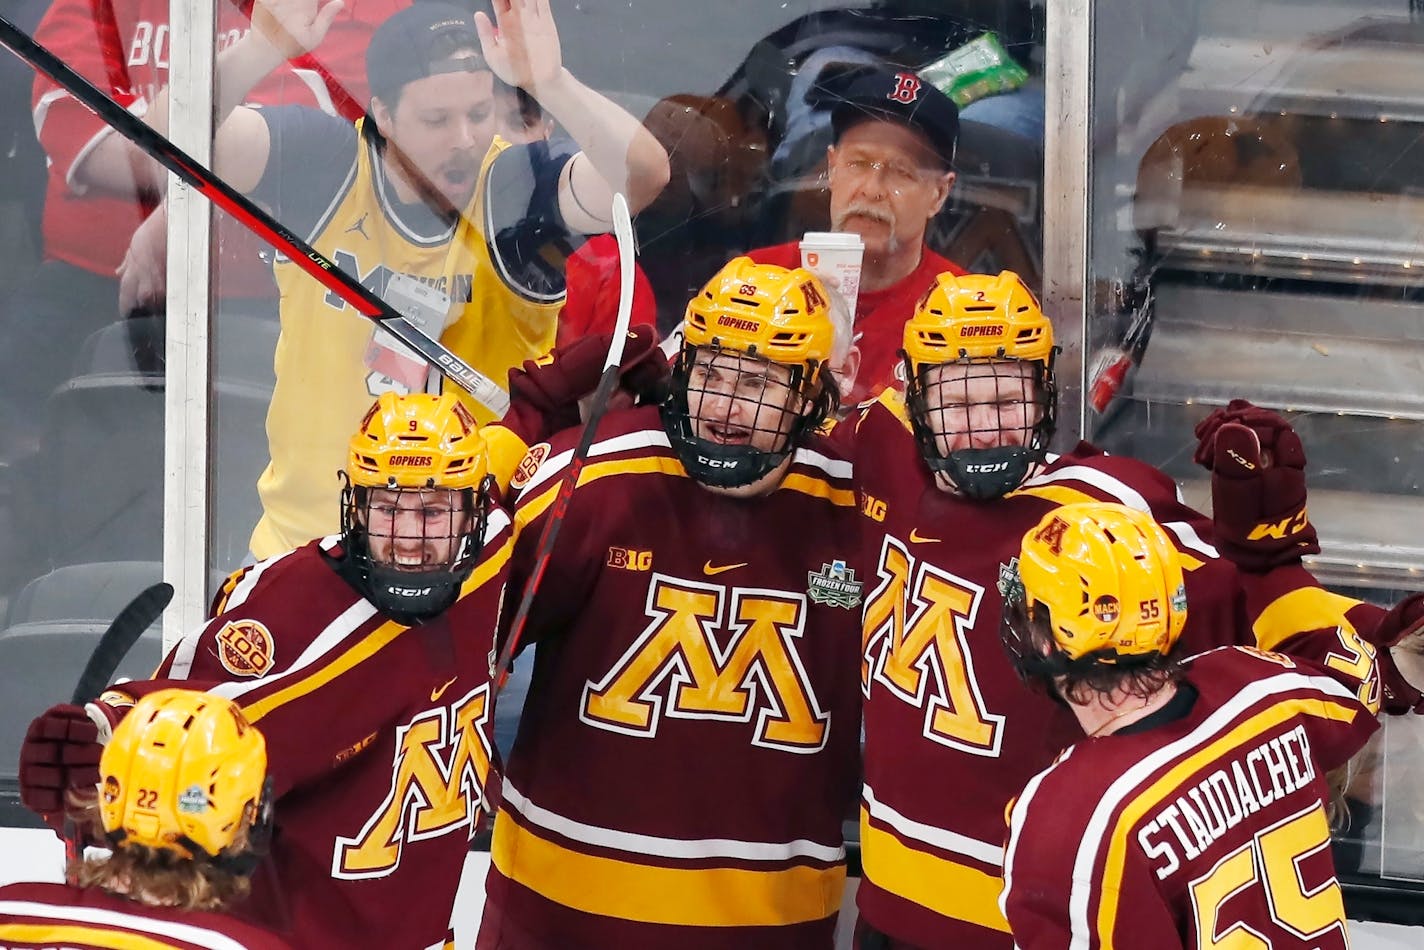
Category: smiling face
[439,130]
[737,399]
[984,405]
[414,529]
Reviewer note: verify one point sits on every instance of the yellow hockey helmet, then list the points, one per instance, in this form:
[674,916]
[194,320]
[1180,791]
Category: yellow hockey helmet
[1100,583]
[418,441]
[757,312]
[764,310]
[977,317]
[983,323]
[184,772]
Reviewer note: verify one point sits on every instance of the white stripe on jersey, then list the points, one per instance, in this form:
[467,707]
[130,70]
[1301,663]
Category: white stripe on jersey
[832,467]
[1016,820]
[1186,535]
[940,838]
[328,641]
[554,466]
[187,648]
[667,847]
[201,936]
[1219,721]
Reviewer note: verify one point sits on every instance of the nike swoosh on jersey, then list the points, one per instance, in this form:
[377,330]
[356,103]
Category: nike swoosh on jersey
[439,691]
[917,538]
[709,570]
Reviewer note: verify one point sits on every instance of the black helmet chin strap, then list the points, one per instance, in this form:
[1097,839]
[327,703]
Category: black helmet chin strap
[985,474]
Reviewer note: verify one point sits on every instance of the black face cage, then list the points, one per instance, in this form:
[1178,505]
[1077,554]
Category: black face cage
[413,593]
[732,466]
[982,473]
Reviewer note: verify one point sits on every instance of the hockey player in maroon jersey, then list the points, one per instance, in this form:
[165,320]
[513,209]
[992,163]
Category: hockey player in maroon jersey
[689,749]
[1195,811]
[951,475]
[364,658]
[184,802]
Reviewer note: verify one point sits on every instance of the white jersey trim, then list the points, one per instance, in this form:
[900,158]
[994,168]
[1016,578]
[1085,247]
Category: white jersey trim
[187,648]
[201,936]
[939,838]
[1016,819]
[832,467]
[554,466]
[326,642]
[1223,718]
[1185,534]
[667,847]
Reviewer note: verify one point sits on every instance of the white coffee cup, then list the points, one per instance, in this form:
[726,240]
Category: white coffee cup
[835,257]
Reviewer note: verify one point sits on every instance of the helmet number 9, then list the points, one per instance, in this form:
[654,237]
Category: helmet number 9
[413,423]
[1150,609]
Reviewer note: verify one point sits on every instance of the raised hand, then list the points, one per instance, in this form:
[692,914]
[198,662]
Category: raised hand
[1257,486]
[294,27]
[522,44]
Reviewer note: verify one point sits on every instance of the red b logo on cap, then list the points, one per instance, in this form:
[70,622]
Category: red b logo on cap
[907,88]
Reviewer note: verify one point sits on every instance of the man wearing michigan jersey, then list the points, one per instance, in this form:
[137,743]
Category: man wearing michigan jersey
[419,187]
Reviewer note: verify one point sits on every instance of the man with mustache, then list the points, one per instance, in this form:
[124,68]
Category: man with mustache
[889,173]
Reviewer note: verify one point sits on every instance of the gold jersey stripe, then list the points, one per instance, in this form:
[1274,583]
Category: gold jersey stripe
[1301,610]
[1154,794]
[77,935]
[946,887]
[667,465]
[689,897]
[367,646]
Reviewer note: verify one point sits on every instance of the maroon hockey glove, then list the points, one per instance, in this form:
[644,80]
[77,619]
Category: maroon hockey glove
[1257,487]
[1401,627]
[544,394]
[60,752]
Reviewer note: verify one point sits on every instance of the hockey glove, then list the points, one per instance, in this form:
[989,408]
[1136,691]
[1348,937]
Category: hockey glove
[1257,487]
[545,393]
[1401,629]
[61,752]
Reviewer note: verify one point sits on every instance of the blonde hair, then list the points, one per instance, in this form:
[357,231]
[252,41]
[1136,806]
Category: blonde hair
[153,876]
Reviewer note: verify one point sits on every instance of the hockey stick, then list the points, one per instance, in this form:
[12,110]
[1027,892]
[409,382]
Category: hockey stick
[623,231]
[220,193]
[114,644]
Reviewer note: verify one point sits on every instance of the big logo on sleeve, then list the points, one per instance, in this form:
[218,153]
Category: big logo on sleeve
[442,761]
[713,653]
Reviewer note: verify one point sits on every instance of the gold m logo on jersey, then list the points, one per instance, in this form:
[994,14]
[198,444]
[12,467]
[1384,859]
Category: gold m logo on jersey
[437,784]
[713,653]
[914,641]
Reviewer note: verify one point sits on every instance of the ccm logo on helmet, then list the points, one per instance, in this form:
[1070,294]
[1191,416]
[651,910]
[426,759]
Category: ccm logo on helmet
[986,468]
[981,331]
[737,323]
[408,460]
[410,591]
[718,463]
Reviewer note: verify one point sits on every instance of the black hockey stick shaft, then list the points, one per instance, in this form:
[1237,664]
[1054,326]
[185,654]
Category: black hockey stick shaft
[220,193]
[115,642]
[623,230]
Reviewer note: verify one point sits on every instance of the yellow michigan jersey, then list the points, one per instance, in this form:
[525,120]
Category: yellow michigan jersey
[323,382]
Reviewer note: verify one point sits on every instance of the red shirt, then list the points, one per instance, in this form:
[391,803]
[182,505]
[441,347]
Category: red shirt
[591,277]
[53,915]
[127,55]
[880,316]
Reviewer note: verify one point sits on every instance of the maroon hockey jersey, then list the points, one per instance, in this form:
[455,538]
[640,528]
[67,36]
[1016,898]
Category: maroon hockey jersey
[951,733]
[688,751]
[378,738]
[45,916]
[1188,832]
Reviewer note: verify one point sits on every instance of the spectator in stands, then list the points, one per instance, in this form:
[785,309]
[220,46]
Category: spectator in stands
[889,173]
[403,192]
[184,801]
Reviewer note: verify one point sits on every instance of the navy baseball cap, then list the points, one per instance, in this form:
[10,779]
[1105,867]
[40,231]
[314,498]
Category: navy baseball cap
[854,93]
[422,40]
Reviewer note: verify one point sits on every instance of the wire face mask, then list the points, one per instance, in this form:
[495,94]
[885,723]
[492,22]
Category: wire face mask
[983,424]
[734,416]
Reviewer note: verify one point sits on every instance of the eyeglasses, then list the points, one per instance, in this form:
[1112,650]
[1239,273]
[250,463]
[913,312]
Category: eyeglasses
[897,174]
